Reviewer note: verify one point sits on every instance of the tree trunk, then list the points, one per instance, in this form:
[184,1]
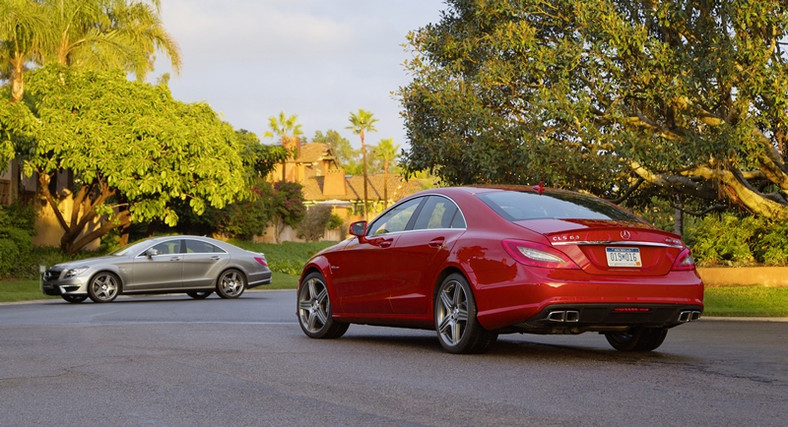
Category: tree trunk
[364,160]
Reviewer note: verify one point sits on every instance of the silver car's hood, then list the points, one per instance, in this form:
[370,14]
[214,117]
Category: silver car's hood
[87,262]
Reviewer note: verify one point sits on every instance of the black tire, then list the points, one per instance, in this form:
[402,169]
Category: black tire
[314,309]
[199,294]
[230,284]
[103,287]
[637,339]
[455,318]
[75,299]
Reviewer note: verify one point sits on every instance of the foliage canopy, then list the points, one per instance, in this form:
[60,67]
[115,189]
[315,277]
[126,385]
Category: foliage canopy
[617,97]
[131,149]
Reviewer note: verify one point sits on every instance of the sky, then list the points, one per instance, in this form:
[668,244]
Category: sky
[317,59]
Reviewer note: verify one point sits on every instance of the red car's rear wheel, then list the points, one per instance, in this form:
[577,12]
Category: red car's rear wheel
[455,318]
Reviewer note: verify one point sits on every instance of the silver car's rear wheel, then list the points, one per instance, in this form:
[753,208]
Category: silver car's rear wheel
[103,287]
[74,298]
[231,284]
[199,294]
[314,309]
[455,318]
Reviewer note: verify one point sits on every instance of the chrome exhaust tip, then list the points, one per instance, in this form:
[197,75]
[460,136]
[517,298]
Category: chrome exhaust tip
[564,316]
[689,316]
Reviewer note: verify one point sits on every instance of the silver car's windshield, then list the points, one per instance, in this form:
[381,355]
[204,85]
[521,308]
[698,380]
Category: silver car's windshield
[130,248]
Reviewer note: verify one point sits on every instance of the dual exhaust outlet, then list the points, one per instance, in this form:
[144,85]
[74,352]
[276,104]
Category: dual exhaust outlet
[564,316]
[689,316]
[573,316]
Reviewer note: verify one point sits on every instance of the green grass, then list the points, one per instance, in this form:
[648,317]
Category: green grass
[746,301]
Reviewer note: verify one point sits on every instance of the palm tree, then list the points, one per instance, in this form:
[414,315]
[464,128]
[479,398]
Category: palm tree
[101,34]
[360,124]
[386,151]
[106,34]
[22,33]
[288,132]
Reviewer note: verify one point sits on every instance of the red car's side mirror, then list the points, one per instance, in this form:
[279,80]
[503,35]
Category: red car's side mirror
[359,229]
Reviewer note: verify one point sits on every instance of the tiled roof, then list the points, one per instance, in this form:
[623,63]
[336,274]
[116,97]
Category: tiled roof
[314,151]
[397,188]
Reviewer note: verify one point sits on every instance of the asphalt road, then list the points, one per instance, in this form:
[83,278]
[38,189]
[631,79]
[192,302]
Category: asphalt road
[173,361]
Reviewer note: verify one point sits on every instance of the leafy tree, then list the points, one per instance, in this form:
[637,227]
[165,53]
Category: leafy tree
[259,159]
[347,156]
[247,218]
[386,152]
[96,34]
[621,98]
[286,204]
[360,124]
[315,223]
[132,150]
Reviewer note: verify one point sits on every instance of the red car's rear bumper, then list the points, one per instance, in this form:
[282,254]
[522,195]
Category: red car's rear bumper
[593,302]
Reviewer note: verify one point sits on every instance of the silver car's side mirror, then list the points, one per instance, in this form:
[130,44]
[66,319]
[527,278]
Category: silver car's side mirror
[151,252]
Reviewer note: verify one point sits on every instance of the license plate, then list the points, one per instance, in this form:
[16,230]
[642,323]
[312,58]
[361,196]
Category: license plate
[623,257]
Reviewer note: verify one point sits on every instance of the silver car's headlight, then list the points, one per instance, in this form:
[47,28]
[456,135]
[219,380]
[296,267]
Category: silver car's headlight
[74,272]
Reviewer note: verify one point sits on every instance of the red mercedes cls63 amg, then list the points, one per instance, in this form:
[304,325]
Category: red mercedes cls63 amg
[475,262]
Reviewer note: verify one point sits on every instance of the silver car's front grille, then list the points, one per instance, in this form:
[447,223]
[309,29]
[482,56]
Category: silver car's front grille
[52,274]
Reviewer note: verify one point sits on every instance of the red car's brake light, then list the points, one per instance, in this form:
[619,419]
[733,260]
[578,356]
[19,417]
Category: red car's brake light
[261,260]
[684,262]
[537,255]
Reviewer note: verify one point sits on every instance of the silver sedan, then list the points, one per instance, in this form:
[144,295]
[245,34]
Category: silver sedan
[193,265]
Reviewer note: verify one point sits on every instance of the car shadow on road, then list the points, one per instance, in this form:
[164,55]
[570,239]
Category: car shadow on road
[511,349]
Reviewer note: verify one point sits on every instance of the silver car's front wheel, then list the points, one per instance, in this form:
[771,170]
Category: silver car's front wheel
[231,284]
[314,309]
[103,287]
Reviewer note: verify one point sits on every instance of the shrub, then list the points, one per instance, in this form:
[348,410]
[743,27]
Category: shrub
[731,240]
[314,224]
[16,231]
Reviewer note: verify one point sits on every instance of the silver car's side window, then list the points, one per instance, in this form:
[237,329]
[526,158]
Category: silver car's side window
[168,248]
[200,247]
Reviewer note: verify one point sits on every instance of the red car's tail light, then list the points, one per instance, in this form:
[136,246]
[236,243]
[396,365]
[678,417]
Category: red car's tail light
[261,260]
[537,255]
[684,262]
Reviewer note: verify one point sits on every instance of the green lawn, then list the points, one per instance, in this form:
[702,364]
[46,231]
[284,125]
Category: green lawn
[733,301]
[746,301]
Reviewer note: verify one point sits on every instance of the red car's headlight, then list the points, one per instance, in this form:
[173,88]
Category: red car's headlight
[537,255]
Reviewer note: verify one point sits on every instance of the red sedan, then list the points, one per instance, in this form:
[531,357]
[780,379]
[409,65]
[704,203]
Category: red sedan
[475,262]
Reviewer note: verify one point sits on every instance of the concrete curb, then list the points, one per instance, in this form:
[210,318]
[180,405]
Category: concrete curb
[745,319]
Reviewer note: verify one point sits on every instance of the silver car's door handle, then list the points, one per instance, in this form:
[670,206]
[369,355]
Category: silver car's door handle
[175,258]
[215,258]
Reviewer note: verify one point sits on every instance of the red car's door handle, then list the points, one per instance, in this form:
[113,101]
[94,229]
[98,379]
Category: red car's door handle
[386,243]
[437,242]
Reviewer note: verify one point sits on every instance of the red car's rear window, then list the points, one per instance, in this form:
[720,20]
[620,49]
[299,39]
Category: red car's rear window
[520,206]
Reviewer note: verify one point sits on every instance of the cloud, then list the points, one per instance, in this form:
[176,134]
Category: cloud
[320,60]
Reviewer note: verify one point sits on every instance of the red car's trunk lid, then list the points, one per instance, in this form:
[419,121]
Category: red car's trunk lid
[611,247]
